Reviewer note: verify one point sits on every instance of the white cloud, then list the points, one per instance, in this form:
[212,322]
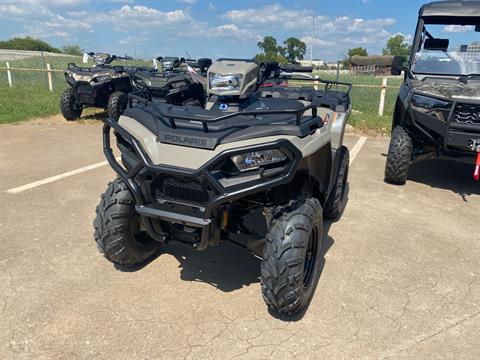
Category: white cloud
[132,40]
[123,1]
[458,29]
[10,9]
[211,6]
[190,2]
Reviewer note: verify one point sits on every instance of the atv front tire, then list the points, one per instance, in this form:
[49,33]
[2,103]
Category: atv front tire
[117,103]
[292,256]
[336,200]
[399,156]
[68,106]
[117,229]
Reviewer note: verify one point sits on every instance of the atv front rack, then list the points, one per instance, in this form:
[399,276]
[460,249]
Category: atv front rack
[145,98]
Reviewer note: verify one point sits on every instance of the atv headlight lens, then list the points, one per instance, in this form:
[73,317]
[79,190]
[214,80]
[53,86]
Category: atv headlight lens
[427,103]
[256,159]
[102,78]
[218,82]
[179,84]
[141,83]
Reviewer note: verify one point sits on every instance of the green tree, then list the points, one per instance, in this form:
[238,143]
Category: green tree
[295,49]
[269,46]
[271,51]
[397,46]
[357,51]
[72,50]
[28,43]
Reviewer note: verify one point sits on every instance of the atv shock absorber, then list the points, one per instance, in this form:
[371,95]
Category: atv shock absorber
[475,146]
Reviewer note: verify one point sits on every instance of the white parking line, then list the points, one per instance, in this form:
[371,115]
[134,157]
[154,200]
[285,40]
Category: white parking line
[356,148]
[353,154]
[55,178]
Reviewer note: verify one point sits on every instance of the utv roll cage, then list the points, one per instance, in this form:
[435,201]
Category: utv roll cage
[466,12]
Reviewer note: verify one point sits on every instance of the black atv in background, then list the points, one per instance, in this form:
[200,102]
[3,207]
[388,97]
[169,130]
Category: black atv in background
[437,114]
[103,86]
[177,82]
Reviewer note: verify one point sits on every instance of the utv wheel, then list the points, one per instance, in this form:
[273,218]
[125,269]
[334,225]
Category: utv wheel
[292,253]
[399,156]
[117,229]
[117,103]
[335,203]
[191,102]
[68,105]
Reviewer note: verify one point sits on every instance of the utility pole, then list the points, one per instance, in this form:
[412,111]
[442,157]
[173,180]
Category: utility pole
[313,34]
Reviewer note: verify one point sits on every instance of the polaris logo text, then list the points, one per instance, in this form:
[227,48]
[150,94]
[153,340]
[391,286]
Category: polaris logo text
[185,140]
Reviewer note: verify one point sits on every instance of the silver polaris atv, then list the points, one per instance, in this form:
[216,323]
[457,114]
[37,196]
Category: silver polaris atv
[260,167]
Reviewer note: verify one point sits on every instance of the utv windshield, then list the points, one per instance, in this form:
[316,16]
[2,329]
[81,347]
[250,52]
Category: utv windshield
[449,49]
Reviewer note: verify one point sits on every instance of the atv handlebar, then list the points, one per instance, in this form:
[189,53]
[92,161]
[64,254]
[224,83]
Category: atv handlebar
[296,68]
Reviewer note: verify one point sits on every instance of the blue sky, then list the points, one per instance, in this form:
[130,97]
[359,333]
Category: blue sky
[208,28]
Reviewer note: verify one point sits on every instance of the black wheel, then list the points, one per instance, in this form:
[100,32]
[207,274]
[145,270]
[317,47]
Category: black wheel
[117,103]
[68,105]
[291,257]
[399,156]
[192,102]
[117,229]
[336,200]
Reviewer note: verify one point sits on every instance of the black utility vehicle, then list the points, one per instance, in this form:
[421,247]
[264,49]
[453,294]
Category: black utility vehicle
[260,167]
[103,86]
[177,81]
[438,109]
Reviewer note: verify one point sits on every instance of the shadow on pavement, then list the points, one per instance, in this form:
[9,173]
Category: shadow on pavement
[446,174]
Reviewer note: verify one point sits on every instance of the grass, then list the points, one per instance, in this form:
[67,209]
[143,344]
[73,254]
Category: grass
[30,98]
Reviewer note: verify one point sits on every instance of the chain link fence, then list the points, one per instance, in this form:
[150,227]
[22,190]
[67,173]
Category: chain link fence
[28,74]
[373,96]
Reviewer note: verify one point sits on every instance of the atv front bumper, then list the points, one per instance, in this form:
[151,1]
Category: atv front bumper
[453,133]
[191,202]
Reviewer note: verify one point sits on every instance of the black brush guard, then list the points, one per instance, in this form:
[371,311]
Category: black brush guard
[204,218]
[455,135]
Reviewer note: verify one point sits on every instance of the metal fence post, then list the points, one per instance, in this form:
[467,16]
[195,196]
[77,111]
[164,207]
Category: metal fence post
[44,66]
[49,75]
[381,107]
[9,75]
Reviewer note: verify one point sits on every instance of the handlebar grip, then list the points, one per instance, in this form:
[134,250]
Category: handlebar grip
[297,68]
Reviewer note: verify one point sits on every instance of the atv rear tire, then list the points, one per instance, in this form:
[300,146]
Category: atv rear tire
[336,200]
[291,257]
[399,156]
[117,103]
[68,106]
[117,231]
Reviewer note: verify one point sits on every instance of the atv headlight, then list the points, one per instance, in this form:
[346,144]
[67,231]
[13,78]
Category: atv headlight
[102,78]
[218,82]
[141,83]
[431,106]
[179,84]
[255,159]
[427,103]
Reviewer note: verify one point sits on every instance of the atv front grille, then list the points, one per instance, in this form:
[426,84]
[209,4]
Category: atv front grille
[467,114]
[189,191]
